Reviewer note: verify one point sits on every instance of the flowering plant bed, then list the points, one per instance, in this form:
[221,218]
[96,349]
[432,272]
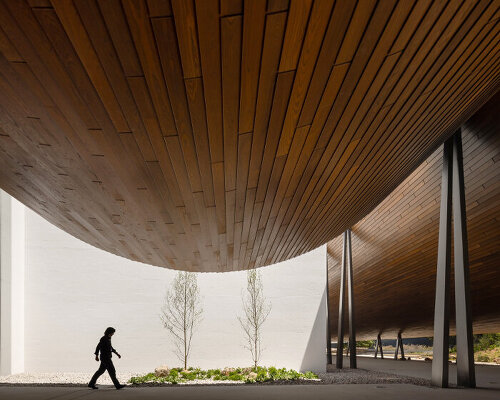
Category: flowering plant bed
[227,375]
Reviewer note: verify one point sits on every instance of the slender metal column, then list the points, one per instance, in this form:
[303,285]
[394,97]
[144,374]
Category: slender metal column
[465,351]
[442,303]
[402,348]
[378,346]
[399,345]
[328,319]
[350,289]
[397,348]
[340,335]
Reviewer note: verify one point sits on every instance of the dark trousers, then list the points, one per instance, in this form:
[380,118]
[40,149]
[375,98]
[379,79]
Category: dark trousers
[106,364]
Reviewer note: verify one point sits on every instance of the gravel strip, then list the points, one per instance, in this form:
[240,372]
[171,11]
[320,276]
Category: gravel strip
[64,378]
[364,376]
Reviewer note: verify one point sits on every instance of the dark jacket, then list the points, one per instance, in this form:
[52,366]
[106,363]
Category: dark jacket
[104,346]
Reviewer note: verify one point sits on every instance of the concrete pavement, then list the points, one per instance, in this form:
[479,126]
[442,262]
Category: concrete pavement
[248,392]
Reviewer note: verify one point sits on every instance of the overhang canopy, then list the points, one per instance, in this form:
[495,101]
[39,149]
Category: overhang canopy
[216,136]
[395,247]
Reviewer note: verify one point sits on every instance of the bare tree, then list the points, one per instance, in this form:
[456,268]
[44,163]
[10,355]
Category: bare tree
[256,311]
[182,312]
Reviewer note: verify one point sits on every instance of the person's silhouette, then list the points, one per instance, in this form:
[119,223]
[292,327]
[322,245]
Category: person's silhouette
[104,346]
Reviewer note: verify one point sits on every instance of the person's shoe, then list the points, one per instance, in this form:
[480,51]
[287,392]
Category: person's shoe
[92,386]
[120,387]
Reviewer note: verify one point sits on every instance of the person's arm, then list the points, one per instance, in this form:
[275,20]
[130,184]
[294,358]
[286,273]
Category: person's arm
[97,351]
[114,351]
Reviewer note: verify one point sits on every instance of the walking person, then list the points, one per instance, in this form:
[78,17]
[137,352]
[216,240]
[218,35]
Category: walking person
[104,346]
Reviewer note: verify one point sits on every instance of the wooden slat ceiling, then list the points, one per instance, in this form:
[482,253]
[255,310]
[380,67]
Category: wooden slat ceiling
[215,136]
[395,246]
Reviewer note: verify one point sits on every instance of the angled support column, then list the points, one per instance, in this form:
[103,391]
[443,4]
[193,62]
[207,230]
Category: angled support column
[340,325]
[350,289]
[399,346]
[465,352]
[378,346]
[453,192]
[442,303]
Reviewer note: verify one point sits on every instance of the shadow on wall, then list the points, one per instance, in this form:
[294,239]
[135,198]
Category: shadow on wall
[311,358]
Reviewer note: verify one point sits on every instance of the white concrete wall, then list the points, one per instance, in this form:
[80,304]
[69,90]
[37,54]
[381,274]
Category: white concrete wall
[12,264]
[74,291]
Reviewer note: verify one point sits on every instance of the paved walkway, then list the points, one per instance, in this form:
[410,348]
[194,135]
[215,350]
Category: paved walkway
[275,392]
[487,376]
[488,380]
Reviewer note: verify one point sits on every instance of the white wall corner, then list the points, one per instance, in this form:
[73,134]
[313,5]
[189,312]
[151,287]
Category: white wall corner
[12,281]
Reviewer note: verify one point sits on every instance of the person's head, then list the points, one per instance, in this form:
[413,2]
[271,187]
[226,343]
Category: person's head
[109,332]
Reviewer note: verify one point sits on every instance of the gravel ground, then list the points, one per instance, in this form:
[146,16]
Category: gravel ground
[333,376]
[63,378]
[359,375]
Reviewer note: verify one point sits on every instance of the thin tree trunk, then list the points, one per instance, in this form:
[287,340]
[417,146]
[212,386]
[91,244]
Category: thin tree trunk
[185,327]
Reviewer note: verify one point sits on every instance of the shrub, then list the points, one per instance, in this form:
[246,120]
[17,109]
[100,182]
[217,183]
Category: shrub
[174,373]
[248,375]
[273,373]
[486,341]
[310,375]
[236,377]
[262,376]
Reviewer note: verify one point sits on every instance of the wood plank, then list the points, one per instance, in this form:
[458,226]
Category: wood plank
[231,56]
[207,14]
[103,46]
[275,27]
[320,14]
[142,35]
[195,95]
[185,26]
[119,32]
[253,33]
[231,7]
[159,8]
[244,146]
[167,49]
[68,15]
[296,27]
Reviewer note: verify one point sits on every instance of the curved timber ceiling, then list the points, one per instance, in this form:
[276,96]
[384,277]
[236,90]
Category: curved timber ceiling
[394,248]
[212,136]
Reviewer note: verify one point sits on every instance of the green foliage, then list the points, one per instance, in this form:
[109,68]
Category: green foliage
[310,375]
[365,344]
[248,375]
[273,373]
[142,379]
[174,373]
[212,372]
[486,341]
[262,376]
